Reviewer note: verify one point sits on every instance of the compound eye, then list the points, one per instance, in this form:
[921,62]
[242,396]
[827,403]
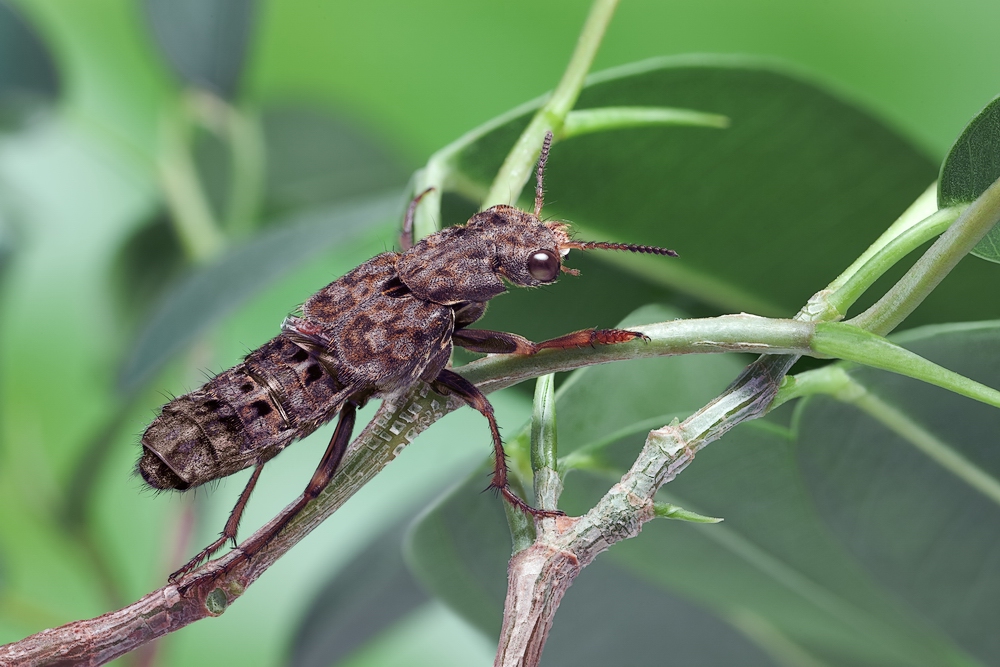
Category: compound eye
[543,266]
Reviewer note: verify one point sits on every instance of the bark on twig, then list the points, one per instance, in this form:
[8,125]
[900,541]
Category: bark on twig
[537,579]
[99,640]
[539,576]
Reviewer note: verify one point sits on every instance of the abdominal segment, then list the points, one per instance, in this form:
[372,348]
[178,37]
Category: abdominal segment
[244,416]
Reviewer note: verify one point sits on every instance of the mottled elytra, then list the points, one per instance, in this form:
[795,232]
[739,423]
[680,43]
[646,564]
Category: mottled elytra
[374,332]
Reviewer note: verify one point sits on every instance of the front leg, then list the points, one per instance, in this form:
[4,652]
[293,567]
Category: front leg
[450,382]
[500,342]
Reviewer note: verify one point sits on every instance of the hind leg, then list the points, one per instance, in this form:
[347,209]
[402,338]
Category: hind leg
[453,383]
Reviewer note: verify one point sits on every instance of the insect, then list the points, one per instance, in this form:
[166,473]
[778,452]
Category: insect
[375,332]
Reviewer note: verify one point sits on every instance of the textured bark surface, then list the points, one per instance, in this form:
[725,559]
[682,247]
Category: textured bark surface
[538,577]
[99,640]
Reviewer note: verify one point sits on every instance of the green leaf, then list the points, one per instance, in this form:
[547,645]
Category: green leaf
[81,203]
[714,195]
[771,558]
[612,616]
[467,570]
[368,595]
[28,73]
[211,292]
[8,237]
[149,260]
[903,483]
[770,569]
[668,511]
[73,201]
[972,165]
[204,41]
[315,157]
[431,636]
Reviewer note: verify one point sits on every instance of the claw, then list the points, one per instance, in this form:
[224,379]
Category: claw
[616,336]
[512,498]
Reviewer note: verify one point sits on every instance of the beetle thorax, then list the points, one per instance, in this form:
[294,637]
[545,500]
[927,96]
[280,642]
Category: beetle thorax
[466,262]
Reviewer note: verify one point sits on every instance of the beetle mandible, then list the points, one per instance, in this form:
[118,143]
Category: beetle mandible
[375,332]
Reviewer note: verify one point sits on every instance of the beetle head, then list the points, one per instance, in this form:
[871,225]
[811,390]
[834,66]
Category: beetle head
[466,262]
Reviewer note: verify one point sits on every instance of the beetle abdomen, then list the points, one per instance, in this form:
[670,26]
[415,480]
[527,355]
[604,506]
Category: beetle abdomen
[243,416]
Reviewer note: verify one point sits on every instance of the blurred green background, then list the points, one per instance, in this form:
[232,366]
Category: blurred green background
[326,108]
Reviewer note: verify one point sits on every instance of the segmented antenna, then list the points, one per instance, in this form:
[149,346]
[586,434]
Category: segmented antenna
[543,157]
[630,247]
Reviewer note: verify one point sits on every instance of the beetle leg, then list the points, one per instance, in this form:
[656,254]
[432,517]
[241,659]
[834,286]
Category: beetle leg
[406,235]
[453,383]
[228,532]
[493,342]
[320,479]
[500,342]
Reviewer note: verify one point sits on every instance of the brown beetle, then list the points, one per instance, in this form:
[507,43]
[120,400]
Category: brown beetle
[374,332]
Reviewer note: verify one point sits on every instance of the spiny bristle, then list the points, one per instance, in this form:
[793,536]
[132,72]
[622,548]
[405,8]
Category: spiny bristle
[630,247]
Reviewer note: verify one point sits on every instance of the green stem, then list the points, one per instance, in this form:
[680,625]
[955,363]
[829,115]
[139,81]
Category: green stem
[443,174]
[197,226]
[242,135]
[191,214]
[828,304]
[832,380]
[543,424]
[973,224]
[565,94]
[845,341]
[728,333]
[246,146]
[922,206]
[782,649]
[544,447]
[517,168]
[522,528]
[432,177]
[910,239]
